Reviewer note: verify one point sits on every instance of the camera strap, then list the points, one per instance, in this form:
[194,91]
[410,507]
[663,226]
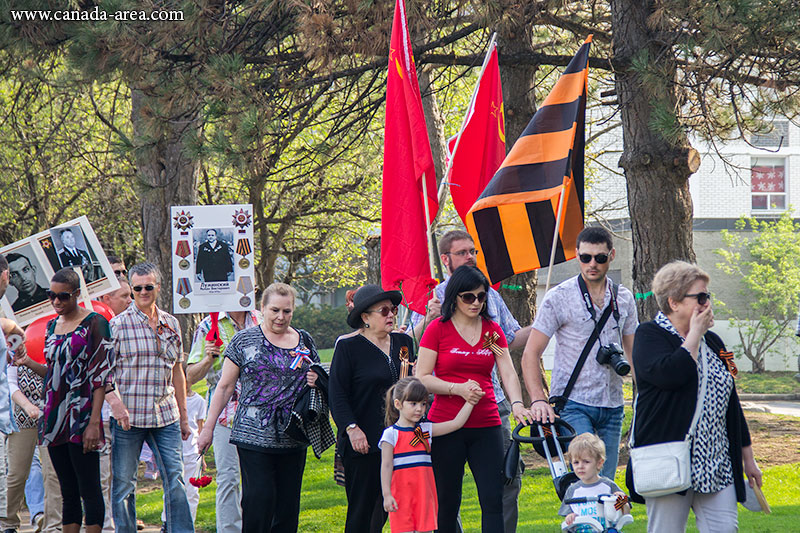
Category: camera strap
[612,308]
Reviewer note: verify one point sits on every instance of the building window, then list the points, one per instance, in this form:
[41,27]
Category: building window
[768,183]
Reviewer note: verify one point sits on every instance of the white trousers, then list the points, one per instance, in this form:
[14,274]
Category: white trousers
[715,512]
[229,497]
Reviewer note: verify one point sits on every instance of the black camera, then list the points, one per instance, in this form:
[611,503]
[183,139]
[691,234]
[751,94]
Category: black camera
[613,356]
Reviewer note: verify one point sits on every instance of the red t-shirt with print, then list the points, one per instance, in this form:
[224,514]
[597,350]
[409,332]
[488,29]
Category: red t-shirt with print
[457,362]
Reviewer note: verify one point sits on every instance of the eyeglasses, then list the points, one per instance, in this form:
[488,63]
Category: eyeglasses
[122,272]
[385,310]
[140,288]
[61,296]
[587,258]
[702,297]
[464,253]
[470,297]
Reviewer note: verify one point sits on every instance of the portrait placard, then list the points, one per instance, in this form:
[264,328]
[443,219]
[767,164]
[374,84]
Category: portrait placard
[212,260]
[33,261]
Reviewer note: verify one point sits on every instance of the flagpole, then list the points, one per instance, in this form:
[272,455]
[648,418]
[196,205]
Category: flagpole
[555,235]
[442,194]
[427,221]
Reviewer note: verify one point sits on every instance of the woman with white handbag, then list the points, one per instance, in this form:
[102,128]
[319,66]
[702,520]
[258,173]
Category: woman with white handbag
[689,441]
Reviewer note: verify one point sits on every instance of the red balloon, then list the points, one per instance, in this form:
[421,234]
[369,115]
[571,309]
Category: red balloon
[36,332]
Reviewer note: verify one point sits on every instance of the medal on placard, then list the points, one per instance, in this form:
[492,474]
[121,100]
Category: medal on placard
[183,289]
[245,287]
[244,249]
[183,221]
[183,250]
[241,219]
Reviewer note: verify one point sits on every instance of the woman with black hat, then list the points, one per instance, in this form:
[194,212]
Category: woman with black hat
[364,367]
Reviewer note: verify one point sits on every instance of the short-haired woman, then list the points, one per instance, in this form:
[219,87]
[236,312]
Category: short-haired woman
[264,360]
[79,356]
[365,365]
[669,354]
[457,354]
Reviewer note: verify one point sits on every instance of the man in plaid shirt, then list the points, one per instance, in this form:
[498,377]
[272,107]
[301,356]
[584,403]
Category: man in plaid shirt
[151,405]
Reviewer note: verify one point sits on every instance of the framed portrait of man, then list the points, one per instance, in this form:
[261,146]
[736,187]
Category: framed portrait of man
[34,260]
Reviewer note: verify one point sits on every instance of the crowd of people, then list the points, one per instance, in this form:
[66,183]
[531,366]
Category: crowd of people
[76,425]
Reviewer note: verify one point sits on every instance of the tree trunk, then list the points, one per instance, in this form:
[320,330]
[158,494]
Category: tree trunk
[656,168]
[519,104]
[166,177]
[374,260]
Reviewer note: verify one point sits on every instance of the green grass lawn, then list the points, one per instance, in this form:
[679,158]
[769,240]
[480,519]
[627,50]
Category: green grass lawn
[324,506]
[767,383]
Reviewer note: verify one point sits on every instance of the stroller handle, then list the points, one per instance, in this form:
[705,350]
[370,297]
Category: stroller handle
[588,499]
[557,423]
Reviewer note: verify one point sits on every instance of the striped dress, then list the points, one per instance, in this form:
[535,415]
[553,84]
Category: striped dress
[413,485]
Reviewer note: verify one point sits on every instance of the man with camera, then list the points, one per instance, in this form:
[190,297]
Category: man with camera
[594,321]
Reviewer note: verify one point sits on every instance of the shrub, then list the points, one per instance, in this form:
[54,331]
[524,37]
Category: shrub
[323,322]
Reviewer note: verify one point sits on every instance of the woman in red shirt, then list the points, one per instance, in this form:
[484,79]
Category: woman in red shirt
[457,354]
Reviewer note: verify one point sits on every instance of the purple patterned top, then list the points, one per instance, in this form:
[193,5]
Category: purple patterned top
[77,363]
[269,388]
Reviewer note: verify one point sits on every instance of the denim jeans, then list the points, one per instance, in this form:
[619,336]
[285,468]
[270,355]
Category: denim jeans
[168,451]
[606,422]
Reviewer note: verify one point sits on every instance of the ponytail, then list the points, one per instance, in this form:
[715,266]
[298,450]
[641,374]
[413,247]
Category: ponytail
[391,414]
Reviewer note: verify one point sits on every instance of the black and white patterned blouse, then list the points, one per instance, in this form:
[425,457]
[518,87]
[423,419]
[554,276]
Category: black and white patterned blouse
[711,462]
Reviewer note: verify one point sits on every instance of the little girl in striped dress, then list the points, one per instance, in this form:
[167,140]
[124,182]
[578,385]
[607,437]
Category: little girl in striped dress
[409,489]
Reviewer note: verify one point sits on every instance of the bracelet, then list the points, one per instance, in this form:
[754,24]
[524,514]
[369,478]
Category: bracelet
[517,401]
[534,401]
[450,390]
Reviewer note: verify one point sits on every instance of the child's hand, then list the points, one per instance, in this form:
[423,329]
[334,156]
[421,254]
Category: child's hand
[570,519]
[389,504]
[621,496]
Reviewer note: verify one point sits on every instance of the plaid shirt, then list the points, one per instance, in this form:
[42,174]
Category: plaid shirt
[143,372]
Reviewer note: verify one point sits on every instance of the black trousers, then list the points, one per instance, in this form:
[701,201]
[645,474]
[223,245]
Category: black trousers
[483,449]
[271,484]
[362,483]
[79,477]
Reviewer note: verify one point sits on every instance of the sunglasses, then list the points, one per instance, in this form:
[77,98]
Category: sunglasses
[470,297]
[140,288]
[385,310]
[61,296]
[587,258]
[702,297]
[122,272]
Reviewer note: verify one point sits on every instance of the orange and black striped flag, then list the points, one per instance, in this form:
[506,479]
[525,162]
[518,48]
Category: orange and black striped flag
[514,220]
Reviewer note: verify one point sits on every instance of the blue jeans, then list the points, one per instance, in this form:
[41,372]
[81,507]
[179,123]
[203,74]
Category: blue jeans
[606,422]
[168,451]
[34,487]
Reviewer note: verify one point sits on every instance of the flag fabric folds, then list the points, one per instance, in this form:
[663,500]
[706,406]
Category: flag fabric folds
[482,146]
[514,220]
[407,161]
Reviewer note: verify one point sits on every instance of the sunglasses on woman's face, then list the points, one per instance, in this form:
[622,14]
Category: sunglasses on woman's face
[140,288]
[470,297]
[385,310]
[587,258]
[702,297]
[61,296]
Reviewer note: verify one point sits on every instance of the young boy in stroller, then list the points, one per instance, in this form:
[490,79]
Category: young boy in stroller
[590,503]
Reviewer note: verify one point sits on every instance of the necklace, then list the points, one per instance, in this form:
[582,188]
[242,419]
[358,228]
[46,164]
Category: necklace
[470,330]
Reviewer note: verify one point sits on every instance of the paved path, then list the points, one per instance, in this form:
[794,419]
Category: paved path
[774,407]
[25,520]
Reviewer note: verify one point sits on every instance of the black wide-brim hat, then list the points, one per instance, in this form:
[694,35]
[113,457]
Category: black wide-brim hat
[367,296]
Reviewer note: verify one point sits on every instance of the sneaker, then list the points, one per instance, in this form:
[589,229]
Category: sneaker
[163,528]
[38,522]
[139,525]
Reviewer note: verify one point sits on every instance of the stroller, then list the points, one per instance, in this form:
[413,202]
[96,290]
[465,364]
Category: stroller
[550,442]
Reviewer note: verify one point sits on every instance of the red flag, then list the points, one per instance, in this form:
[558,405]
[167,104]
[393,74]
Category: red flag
[482,146]
[406,159]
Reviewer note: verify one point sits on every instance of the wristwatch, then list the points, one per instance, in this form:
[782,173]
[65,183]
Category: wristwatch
[351,426]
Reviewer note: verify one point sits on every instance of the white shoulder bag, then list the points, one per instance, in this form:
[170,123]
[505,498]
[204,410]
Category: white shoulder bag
[666,467]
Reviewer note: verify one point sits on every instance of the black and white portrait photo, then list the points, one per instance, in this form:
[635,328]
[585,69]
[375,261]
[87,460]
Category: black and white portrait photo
[73,250]
[213,254]
[28,279]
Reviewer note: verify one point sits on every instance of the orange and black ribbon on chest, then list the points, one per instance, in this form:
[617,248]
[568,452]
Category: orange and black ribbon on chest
[490,341]
[421,437]
[727,357]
